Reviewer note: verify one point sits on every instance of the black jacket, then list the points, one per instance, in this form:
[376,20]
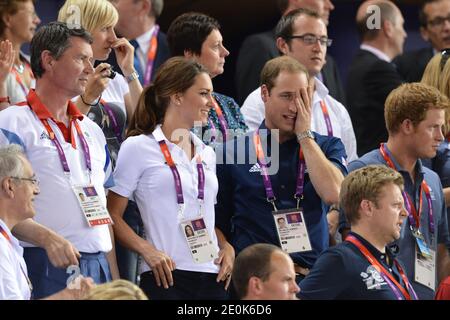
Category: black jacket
[370,80]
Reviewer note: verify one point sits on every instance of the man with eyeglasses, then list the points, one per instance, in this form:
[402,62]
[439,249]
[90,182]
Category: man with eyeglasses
[302,35]
[18,188]
[434,18]
[371,75]
[259,48]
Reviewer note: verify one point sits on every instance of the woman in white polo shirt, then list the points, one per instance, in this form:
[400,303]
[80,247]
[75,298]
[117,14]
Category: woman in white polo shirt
[170,173]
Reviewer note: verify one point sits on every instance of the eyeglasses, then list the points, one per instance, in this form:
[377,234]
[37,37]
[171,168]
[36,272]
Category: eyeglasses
[438,21]
[311,39]
[34,180]
[445,54]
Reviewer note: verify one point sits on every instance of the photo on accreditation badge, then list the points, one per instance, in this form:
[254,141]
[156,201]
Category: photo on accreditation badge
[82,197]
[189,232]
[198,224]
[294,217]
[90,191]
[281,221]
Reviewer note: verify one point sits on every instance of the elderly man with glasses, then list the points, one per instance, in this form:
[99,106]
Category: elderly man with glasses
[18,188]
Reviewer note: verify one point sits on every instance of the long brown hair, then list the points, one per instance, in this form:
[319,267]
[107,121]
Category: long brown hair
[176,75]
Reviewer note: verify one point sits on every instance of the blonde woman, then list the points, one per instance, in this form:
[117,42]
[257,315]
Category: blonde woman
[108,102]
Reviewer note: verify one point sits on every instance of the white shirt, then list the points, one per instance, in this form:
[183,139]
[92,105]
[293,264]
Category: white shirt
[141,172]
[254,114]
[57,206]
[14,90]
[144,44]
[13,270]
[115,92]
[378,53]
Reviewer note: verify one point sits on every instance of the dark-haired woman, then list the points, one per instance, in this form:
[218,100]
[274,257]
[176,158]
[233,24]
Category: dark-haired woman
[197,36]
[170,173]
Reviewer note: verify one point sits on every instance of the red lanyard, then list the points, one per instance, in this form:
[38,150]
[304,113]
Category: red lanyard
[151,55]
[379,267]
[222,122]
[413,214]
[326,117]
[19,80]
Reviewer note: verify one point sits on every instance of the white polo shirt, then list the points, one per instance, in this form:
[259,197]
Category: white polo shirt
[57,206]
[13,282]
[141,173]
[253,111]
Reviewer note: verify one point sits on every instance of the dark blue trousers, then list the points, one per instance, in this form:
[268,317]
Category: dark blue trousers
[188,285]
[47,280]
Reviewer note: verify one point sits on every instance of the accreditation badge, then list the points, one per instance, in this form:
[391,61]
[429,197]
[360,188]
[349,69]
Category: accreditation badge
[197,237]
[291,229]
[93,208]
[421,243]
[425,268]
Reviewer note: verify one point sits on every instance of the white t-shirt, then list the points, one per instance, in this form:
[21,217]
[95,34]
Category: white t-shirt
[13,270]
[253,111]
[116,91]
[57,206]
[15,91]
[141,173]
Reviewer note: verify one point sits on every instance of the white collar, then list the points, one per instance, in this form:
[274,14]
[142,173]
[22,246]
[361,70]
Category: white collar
[320,92]
[144,39]
[377,52]
[8,232]
[158,134]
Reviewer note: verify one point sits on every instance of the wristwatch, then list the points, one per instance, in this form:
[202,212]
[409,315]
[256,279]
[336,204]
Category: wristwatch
[305,134]
[133,76]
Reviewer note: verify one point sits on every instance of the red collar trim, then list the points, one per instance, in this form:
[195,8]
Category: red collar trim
[42,112]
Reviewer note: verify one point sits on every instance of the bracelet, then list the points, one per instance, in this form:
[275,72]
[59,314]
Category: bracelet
[133,76]
[91,105]
[5,99]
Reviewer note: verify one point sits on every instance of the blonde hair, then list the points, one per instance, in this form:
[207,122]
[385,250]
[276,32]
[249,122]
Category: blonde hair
[440,79]
[94,14]
[365,184]
[116,290]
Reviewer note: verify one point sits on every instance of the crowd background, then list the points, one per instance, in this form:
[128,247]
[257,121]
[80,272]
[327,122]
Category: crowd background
[259,16]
